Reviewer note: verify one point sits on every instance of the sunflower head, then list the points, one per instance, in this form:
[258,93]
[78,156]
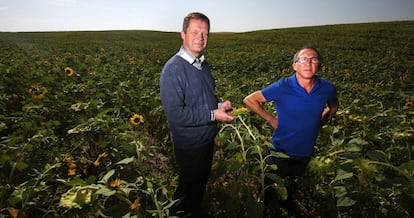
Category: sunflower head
[115,183]
[131,60]
[239,111]
[97,162]
[71,172]
[37,91]
[136,119]
[408,104]
[69,71]
[135,204]
[13,212]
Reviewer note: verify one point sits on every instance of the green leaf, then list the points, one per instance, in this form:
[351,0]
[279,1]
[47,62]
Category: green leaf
[83,196]
[67,200]
[358,141]
[16,197]
[105,191]
[345,202]
[377,155]
[282,190]
[126,160]
[149,185]
[273,167]
[79,106]
[279,154]
[107,176]
[340,191]
[76,182]
[342,174]
[408,167]
[20,165]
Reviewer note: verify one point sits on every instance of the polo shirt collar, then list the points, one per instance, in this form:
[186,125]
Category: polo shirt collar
[316,86]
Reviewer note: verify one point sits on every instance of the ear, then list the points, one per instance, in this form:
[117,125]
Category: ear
[294,66]
[182,35]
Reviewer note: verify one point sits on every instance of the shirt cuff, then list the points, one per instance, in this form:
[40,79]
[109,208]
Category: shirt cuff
[212,116]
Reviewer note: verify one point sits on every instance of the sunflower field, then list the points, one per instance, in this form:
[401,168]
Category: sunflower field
[83,133]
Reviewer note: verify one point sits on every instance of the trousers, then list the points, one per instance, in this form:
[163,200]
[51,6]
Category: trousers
[194,167]
[288,169]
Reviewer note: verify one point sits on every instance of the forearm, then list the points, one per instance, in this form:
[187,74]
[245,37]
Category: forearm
[254,102]
[328,113]
[268,117]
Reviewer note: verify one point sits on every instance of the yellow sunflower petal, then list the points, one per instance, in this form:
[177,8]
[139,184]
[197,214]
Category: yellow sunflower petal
[13,212]
[135,204]
[136,119]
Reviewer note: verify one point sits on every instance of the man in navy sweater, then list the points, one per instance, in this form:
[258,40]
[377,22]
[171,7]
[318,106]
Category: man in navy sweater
[192,109]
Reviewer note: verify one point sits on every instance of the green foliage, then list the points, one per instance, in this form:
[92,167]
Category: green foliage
[83,132]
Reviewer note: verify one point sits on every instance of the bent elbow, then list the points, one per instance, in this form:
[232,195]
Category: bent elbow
[247,101]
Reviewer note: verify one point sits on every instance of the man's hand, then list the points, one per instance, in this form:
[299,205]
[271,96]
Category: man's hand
[222,112]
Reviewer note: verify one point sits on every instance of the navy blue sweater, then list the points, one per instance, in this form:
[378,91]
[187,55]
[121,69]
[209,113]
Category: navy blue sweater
[188,97]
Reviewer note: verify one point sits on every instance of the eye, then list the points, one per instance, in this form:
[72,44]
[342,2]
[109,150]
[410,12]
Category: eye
[313,60]
[196,33]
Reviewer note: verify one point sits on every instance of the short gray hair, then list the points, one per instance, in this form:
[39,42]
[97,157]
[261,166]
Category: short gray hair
[295,57]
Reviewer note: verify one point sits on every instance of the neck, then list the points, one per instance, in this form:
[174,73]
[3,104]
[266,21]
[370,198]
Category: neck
[307,84]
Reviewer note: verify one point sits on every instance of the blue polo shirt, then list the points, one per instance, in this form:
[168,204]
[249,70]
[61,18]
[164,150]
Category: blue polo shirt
[299,114]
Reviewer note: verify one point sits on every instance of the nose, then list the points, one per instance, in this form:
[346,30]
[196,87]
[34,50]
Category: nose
[202,35]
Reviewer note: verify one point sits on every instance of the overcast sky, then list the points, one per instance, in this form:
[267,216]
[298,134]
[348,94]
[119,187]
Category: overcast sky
[167,15]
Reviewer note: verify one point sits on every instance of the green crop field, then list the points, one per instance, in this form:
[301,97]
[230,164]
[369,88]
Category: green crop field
[83,133]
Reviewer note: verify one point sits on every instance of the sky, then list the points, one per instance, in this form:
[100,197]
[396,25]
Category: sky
[167,15]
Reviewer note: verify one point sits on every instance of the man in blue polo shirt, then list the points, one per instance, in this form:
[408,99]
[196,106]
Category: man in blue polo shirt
[304,102]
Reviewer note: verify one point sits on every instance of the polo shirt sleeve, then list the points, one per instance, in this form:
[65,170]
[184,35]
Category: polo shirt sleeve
[271,92]
[333,98]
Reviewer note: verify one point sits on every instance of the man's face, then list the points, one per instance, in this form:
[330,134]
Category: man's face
[196,38]
[307,64]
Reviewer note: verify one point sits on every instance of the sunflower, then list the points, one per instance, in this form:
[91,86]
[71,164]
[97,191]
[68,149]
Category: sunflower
[69,71]
[408,104]
[135,204]
[239,111]
[131,60]
[97,161]
[37,91]
[71,172]
[13,212]
[71,166]
[136,119]
[115,183]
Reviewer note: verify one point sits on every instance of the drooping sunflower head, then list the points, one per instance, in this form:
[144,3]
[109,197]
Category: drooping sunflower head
[69,71]
[136,119]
